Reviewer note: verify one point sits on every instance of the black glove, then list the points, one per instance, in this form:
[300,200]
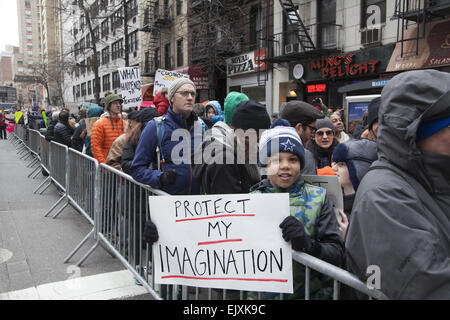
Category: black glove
[168,177]
[294,231]
[150,232]
[192,118]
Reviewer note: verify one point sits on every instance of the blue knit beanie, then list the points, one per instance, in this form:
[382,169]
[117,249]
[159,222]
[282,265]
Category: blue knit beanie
[428,128]
[284,138]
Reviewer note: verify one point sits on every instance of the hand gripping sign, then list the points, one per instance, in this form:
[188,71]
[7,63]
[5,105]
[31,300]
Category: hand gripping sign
[222,241]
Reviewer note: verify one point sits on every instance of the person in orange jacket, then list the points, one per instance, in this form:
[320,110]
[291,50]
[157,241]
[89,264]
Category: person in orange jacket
[108,127]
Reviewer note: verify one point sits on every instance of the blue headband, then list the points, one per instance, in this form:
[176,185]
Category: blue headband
[428,128]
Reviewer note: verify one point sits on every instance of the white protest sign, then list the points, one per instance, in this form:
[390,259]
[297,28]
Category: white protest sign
[130,86]
[222,241]
[163,79]
[333,187]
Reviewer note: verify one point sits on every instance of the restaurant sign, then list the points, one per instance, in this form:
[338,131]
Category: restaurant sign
[245,63]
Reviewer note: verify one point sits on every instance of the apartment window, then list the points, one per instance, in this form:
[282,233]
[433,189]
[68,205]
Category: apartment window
[88,41]
[117,49]
[132,8]
[29,37]
[105,28]
[27,4]
[180,52]
[106,82]
[255,27]
[28,12]
[115,80]
[167,56]
[30,53]
[83,89]
[132,41]
[89,87]
[327,35]
[179,5]
[105,55]
[156,58]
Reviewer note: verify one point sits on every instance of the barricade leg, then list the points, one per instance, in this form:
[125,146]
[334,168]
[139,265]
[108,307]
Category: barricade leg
[33,162]
[46,187]
[55,205]
[72,253]
[35,169]
[36,174]
[43,182]
[61,209]
[88,253]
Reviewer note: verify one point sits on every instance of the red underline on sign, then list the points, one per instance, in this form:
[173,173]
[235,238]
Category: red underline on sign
[219,216]
[239,279]
[219,241]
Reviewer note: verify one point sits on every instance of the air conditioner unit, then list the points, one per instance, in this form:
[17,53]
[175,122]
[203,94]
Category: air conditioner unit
[291,48]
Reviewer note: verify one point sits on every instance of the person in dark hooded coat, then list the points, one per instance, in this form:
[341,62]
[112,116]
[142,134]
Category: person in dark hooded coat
[400,219]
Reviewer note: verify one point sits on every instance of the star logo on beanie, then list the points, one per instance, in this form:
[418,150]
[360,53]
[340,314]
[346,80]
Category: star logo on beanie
[288,146]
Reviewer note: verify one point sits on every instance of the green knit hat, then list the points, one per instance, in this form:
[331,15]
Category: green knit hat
[110,97]
[231,101]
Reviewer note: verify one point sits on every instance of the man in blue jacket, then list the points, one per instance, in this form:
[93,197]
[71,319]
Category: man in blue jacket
[175,170]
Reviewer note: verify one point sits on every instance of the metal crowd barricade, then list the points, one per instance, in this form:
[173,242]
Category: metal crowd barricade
[58,172]
[81,183]
[45,160]
[121,211]
[337,274]
[34,145]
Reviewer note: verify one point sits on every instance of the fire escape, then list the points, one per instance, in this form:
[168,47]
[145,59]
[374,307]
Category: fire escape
[301,41]
[157,23]
[417,13]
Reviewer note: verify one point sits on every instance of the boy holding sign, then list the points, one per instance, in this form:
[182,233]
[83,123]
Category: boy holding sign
[312,225]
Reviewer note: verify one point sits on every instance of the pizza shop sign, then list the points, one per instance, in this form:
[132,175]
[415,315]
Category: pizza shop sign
[342,66]
[248,62]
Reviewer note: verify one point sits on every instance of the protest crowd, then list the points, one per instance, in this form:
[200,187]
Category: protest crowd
[393,171]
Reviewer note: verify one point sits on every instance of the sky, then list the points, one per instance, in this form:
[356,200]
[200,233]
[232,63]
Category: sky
[9,33]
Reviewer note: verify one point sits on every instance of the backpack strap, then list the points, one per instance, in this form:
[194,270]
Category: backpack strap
[160,127]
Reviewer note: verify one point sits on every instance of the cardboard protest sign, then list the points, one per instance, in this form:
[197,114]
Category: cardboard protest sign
[163,79]
[130,86]
[333,187]
[89,124]
[222,241]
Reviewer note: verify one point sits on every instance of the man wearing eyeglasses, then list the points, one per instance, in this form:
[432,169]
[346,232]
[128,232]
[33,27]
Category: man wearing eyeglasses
[302,116]
[174,175]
